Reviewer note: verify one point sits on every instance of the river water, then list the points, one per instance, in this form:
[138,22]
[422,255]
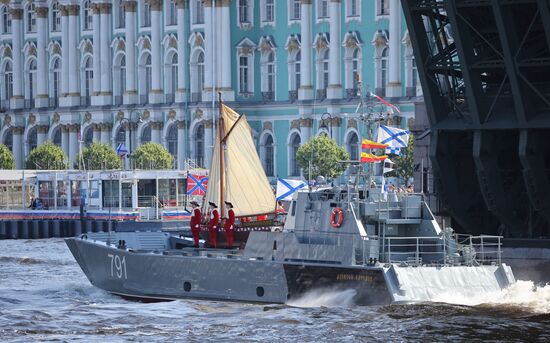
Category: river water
[44,296]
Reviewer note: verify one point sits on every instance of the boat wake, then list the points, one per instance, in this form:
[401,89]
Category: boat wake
[524,294]
[325,297]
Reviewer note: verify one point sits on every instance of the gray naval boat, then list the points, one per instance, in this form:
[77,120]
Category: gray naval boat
[386,247]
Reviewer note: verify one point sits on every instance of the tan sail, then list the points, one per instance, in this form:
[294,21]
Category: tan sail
[245,183]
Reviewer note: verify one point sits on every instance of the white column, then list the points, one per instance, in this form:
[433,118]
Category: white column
[156,96]
[394,85]
[17,101]
[73,143]
[106,68]
[306,89]
[130,96]
[181,143]
[208,51]
[183,63]
[74,68]
[65,139]
[97,50]
[334,90]
[42,68]
[225,48]
[18,146]
[65,54]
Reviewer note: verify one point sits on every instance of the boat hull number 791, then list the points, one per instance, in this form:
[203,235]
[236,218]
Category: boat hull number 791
[118,266]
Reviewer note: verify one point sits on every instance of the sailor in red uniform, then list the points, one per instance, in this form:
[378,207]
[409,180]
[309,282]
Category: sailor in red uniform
[196,218]
[213,224]
[229,224]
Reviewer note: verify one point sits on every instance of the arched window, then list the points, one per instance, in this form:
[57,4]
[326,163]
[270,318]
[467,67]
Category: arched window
[120,15]
[122,76]
[355,68]
[294,9]
[322,73]
[8,139]
[31,18]
[56,78]
[88,136]
[56,136]
[197,76]
[199,145]
[353,146]
[172,140]
[146,14]
[32,139]
[56,17]
[171,77]
[6,20]
[87,18]
[88,77]
[268,76]
[146,84]
[120,136]
[171,15]
[294,146]
[146,134]
[31,80]
[8,81]
[268,155]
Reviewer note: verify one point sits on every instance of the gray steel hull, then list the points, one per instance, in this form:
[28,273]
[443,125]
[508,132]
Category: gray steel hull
[154,276]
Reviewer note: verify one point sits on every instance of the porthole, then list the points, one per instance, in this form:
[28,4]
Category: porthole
[187,286]
[260,291]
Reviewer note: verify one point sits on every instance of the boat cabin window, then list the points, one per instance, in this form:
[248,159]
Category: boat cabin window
[293,209]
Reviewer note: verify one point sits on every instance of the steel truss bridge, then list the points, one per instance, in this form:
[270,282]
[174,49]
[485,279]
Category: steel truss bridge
[484,66]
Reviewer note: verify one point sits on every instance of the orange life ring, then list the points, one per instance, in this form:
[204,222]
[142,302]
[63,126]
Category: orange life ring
[337,223]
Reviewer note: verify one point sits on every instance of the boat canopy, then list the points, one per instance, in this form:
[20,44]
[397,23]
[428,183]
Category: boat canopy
[245,183]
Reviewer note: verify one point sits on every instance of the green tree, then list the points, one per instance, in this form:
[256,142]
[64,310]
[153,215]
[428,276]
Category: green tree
[152,156]
[98,156]
[404,163]
[47,156]
[324,154]
[7,161]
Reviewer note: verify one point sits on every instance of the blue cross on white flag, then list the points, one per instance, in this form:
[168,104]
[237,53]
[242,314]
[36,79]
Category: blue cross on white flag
[394,137]
[286,188]
[121,150]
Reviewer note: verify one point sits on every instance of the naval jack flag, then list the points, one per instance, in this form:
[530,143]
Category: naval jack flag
[394,137]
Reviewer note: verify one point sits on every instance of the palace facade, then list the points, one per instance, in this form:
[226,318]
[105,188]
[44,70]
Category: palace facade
[75,72]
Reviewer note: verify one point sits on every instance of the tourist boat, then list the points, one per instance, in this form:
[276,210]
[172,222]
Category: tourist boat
[386,249]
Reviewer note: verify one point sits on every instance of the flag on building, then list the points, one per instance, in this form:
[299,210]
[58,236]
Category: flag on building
[388,166]
[370,158]
[394,137]
[368,144]
[121,150]
[286,188]
[196,184]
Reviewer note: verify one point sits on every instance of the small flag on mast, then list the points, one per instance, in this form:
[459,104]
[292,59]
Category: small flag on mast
[368,144]
[370,158]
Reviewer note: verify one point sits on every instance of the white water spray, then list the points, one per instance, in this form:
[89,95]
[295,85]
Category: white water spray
[522,293]
[325,297]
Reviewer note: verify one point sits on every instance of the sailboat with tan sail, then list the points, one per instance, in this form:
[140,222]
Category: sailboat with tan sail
[236,175]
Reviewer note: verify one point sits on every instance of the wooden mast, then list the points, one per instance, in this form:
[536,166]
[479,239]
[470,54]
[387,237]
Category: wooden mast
[220,135]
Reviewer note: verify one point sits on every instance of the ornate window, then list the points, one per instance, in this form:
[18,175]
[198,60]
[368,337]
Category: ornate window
[198,12]
[411,73]
[172,140]
[268,155]
[88,136]
[56,78]
[384,68]
[32,139]
[294,145]
[120,17]
[380,42]
[31,18]
[146,84]
[294,10]
[382,7]
[88,77]
[87,17]
[270,68]
[56,17]
[297,70]
[352,146]
[171,75]
[294,66]
[199,145]
[6,20]
[56,136]
[244,74]
[352,62]
[244,11]
[146,14]
[197,75]
[120,135]
[8,82]
[8,139]
[171,15]
[146,134]
[353,8]
[120,78]
[267,64]
[322,72]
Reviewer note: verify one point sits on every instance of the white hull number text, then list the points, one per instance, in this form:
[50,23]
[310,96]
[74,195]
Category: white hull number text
[118,266]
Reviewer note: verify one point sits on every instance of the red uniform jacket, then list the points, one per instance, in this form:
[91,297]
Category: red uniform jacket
[230,221]
[196,218]
[214,218]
